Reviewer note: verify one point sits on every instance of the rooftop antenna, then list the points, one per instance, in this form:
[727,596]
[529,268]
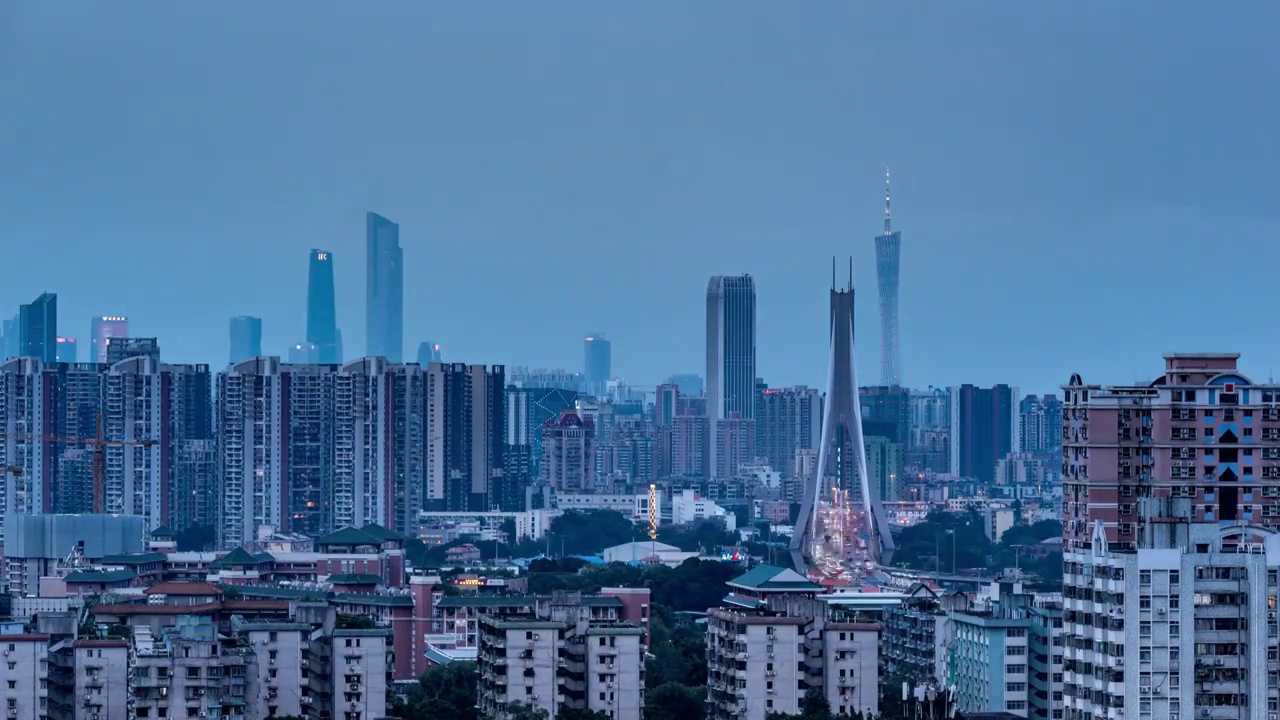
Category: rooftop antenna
[887,227]
[833,272]
[850,272]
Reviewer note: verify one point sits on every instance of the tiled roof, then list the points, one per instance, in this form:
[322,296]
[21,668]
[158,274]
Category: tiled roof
[182,588]
[134,559]
[163,532]
[235,558]
[355,579]
[377,600]
[349,536]
[101,576]
[381,533]
[770,577]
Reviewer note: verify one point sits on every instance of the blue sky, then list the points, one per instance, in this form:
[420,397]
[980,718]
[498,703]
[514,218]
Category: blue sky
[1080,186]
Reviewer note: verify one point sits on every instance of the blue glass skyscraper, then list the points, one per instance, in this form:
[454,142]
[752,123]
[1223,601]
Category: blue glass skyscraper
[38,328]
[384,288]
[246,338]
[322,316]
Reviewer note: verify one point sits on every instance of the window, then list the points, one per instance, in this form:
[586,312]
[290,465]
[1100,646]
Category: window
[1012,650]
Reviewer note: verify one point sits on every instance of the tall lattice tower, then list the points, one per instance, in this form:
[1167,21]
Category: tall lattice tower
[888,269]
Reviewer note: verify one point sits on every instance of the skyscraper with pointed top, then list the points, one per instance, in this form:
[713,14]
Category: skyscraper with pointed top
[888,268]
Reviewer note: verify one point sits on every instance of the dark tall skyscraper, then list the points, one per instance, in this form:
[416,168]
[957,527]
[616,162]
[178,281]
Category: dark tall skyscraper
[384,288]
[38,328]
[101,329]
[984,428]
[246,338]
[888,266]
[465,430]
[597,362]
[429,352]
[322,315]
[731,349]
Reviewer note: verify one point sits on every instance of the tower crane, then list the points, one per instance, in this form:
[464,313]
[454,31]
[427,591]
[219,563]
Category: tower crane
[97,444]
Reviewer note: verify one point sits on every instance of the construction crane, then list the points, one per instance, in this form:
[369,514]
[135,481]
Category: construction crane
[97,444]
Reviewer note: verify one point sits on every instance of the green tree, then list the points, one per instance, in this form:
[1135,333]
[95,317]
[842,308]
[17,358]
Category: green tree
[442,693]
[944,539]
[575,714]
[522,711]
[813,706]
[673,701]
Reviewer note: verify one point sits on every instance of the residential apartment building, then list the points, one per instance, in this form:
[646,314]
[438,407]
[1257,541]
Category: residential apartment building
[912,631]
[24,672]
[735,445]
[569,454]
[565,659]
[465,443]
[790,420]
[1006,656]
[773,638]
[1170,517]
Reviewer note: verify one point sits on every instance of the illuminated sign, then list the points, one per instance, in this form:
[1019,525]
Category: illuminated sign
[322,256]
[479,582]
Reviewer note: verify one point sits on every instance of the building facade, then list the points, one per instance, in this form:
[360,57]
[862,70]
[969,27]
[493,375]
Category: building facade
[569,454]
[38,328]
[322,314]
[246,338]
[888,272]
[466,416]
[984,428]
[101,329]
[731,349]
[384,285]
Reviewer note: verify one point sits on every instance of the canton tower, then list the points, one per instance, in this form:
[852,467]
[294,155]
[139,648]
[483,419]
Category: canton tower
[888,269]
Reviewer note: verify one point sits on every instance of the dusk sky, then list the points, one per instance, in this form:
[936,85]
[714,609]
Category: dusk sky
[1081,186]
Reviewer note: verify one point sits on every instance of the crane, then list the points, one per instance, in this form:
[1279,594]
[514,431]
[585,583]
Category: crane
[98,444]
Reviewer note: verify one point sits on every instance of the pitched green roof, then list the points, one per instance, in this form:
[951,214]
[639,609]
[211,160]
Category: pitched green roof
[377,531]
[274,592]
[771,577]
[376,600]
[355,579]
[163,532]
[349,536]
[235,558]
[134,559]
[101,576]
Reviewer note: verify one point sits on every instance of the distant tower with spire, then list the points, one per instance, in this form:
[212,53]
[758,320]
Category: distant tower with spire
[888,269]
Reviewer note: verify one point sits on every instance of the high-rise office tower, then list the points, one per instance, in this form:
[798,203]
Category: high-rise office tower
[246,338]
[66,350]
[38,328]
[842,446]
[888,269]
[1040,426]
[1171,504]
[731,349]
[429,352]
[597,362]
[384,288]
[891,408]
[690,385]
[465,443]
[984,428]
[101,329]
[10,339]
[735,446]
[322,314]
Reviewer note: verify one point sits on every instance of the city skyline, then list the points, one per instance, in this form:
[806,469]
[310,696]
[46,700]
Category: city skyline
[700,178]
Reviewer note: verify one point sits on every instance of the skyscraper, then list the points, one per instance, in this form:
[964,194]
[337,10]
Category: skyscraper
[842,444]
[246,338]
[792,420]
[384,288]
[38,327]
[984,428]
[465,422]
[888,261]
[11,342]
[322,315]
[568,453]
[101,329]
[429,352]
[123,348]
[66,350]
[731,350]
[597,362]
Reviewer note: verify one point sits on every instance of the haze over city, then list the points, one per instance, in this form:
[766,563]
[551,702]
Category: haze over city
[1061,175]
